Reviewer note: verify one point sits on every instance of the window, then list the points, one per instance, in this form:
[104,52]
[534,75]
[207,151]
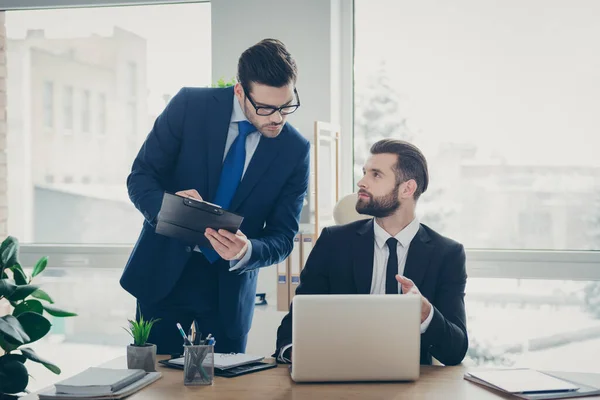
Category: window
[102,114]
[110,68]
[132,118]
[48,99]
[533,324]
[504,106]
[68,107]
[132,78]
[85,111]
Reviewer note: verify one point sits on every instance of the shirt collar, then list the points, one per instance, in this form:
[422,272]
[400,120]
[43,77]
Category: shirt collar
[405,236]
[237,114]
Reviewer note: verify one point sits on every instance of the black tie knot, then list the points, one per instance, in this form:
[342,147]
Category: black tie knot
[392,243]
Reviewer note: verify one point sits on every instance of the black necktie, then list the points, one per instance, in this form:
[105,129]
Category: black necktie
[391,284]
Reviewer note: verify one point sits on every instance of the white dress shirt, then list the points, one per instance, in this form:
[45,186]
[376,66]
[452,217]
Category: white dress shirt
[252,141]
[380,258]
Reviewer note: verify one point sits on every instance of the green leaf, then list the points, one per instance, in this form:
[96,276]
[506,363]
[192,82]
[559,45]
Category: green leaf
[21,292]
[40,294]
[8,344]
[30,354]
[36,325]
[19,275]
[28,306]
[12,328]
[40,266]
[57,312]
[9,252]
[7,287]
[13,376]
[8,357]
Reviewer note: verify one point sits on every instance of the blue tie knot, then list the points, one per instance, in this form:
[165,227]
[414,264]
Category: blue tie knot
[245,127]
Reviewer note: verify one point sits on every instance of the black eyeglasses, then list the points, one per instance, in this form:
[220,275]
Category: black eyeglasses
[266,111]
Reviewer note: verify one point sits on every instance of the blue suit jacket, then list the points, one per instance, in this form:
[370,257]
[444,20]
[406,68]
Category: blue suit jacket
[185,150]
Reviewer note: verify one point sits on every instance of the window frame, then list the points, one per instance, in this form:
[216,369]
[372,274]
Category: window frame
[12,5]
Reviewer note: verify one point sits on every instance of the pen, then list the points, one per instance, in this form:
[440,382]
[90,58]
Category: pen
[185,339]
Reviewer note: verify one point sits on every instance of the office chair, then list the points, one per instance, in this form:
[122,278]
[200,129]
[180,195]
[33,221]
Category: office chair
[344,211]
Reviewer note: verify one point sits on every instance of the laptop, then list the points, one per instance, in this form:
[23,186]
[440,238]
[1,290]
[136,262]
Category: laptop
[340,338]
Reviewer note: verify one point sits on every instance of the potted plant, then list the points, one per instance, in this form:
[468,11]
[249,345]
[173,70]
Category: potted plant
[22,320]
[141,354]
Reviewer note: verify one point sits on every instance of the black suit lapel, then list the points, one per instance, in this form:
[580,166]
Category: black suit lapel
[218,116]
[418,257]
[363,249]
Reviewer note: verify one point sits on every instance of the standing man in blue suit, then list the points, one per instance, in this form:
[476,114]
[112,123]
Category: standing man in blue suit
[233,147]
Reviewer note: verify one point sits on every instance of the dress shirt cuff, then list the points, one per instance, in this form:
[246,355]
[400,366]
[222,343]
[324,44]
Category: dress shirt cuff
[281,353]
[237,264]
[427,321]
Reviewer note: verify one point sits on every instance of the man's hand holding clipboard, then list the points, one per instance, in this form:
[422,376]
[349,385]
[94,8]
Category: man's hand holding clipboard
[185,216]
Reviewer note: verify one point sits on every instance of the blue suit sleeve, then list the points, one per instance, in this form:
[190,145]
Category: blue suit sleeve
[277,239]
[156,159]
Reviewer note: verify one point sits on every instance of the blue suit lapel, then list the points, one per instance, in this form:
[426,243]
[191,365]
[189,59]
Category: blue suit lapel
[218,115]
[266,152]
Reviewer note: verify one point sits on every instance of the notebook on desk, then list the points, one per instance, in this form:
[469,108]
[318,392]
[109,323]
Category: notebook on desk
[99,381]
[146,380]
[531,384]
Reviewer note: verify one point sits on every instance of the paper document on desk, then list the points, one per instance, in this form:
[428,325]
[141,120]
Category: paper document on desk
[531,384]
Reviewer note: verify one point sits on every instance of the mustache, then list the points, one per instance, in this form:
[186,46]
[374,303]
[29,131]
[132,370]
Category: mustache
[269,125]
[362,191]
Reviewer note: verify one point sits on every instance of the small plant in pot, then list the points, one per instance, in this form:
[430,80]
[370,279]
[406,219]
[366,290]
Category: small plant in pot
[141,354]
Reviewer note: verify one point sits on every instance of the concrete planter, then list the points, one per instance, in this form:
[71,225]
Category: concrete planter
[142,357]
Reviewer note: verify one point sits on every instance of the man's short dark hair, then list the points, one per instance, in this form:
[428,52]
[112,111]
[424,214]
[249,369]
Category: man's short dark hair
[269,63]
[411,163]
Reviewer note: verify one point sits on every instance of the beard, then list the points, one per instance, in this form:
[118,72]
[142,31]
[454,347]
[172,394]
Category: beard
[379,207]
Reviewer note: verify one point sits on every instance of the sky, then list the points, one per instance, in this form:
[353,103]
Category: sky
[178,38]
[520,78]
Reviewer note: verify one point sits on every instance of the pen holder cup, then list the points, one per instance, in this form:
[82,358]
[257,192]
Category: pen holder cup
[198,365]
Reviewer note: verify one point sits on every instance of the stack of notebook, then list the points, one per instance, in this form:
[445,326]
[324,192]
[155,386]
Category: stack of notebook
[101,383]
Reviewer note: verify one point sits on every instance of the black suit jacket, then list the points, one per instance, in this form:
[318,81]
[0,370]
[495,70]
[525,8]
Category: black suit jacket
[342,263]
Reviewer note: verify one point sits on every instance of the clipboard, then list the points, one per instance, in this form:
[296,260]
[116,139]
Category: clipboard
[187,219]
[230,372]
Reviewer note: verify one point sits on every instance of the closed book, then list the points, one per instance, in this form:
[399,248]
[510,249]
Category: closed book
[96,381]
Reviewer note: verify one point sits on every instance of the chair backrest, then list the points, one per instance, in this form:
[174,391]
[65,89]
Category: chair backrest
[344,211]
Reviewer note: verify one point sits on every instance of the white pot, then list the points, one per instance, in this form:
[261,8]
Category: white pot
[142,357]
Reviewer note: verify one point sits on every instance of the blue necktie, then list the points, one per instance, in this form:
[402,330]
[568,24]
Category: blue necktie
[231,175]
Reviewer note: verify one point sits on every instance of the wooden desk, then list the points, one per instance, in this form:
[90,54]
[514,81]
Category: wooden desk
[435,382]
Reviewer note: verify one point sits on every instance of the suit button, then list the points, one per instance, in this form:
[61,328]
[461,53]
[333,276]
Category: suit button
[188,248]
